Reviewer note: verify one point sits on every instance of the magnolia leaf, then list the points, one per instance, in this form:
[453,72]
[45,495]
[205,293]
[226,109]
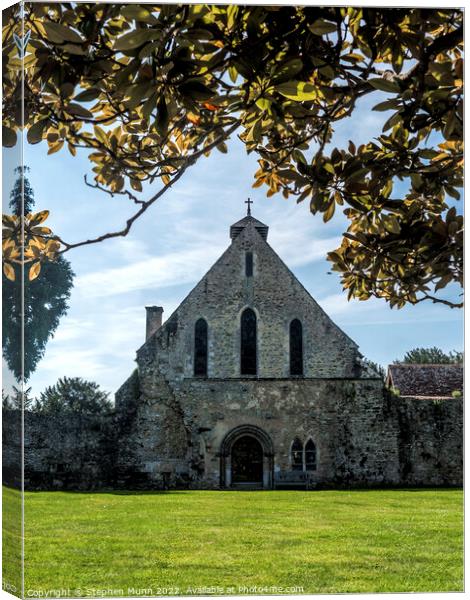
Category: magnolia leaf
[149,105]
[40,231]
[387,105]
[385,85]
[55,147]
[58,33]
[162,120]
[9,271]
[391,224]
[38,218]
[10,221]
[450,124]
[443,282]
[329,212]
[232,12]
[288,70]
[34,271]
[232,73]
[100,134]
[453,193]
[139,13]
[194,88]
[67,89]
[392,121]
[136,38]
[78,110]
[34,135]
[74,49]
[297,90]
[8,137]
[136,185]
[263,103]
[321,27]
[52,245]
[88,95]
[199,34]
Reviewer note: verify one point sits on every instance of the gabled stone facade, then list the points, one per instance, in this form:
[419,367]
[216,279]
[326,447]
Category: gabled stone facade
[183,429]
[195,415]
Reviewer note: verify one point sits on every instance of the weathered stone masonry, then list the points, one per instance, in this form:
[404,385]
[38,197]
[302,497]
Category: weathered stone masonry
[171,428]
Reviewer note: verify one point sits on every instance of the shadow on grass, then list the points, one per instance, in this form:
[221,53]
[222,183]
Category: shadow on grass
[140,492]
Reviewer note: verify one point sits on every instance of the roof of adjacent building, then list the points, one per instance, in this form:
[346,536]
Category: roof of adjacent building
[426,381]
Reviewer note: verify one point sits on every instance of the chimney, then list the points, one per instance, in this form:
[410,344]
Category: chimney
[154,320]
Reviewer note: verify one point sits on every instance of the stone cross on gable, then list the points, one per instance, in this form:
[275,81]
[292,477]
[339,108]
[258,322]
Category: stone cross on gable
[249,202]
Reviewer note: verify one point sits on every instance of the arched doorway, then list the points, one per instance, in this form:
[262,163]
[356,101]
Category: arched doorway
[246,458]
[247,461]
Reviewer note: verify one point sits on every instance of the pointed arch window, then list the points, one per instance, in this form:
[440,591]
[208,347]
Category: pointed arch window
[310,456]
[296,348]
[200,348]
[248,348]
[297,452]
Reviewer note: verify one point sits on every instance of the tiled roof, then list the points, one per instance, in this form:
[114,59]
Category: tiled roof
[426,381]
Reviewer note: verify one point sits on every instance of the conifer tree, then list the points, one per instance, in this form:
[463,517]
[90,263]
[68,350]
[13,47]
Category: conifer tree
[45,298]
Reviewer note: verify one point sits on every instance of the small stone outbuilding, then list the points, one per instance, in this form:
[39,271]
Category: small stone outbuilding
[435,382]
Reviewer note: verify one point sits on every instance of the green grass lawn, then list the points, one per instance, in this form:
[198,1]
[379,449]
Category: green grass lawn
[11,540]
[323,541]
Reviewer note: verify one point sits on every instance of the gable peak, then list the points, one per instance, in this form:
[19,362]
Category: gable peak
[247,221]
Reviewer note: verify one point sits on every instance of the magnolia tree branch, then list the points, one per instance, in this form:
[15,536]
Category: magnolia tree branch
[435,300]
[127,193]
[148,203]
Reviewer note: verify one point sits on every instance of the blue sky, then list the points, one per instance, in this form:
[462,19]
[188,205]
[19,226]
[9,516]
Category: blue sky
[177,241]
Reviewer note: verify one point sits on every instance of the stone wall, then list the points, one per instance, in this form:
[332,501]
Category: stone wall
[60,451]
[344,418]
[360,441]
[11,448]
[430,441]
[364,436]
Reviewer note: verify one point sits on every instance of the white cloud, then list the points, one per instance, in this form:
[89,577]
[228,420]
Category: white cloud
[100,348]
[152,273]
[296,238]
[338,304]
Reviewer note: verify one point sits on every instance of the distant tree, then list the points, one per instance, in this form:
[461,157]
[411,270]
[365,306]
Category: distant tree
[22,195]
[6,401]
[17,400]
[434,355]
[376,367]
[45,298]
[73,395]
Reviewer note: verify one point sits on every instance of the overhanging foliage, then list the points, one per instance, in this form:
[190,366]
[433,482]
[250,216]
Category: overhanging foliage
[150,89]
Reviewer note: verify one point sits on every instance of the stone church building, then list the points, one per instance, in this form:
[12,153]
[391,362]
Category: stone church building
[249,384]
